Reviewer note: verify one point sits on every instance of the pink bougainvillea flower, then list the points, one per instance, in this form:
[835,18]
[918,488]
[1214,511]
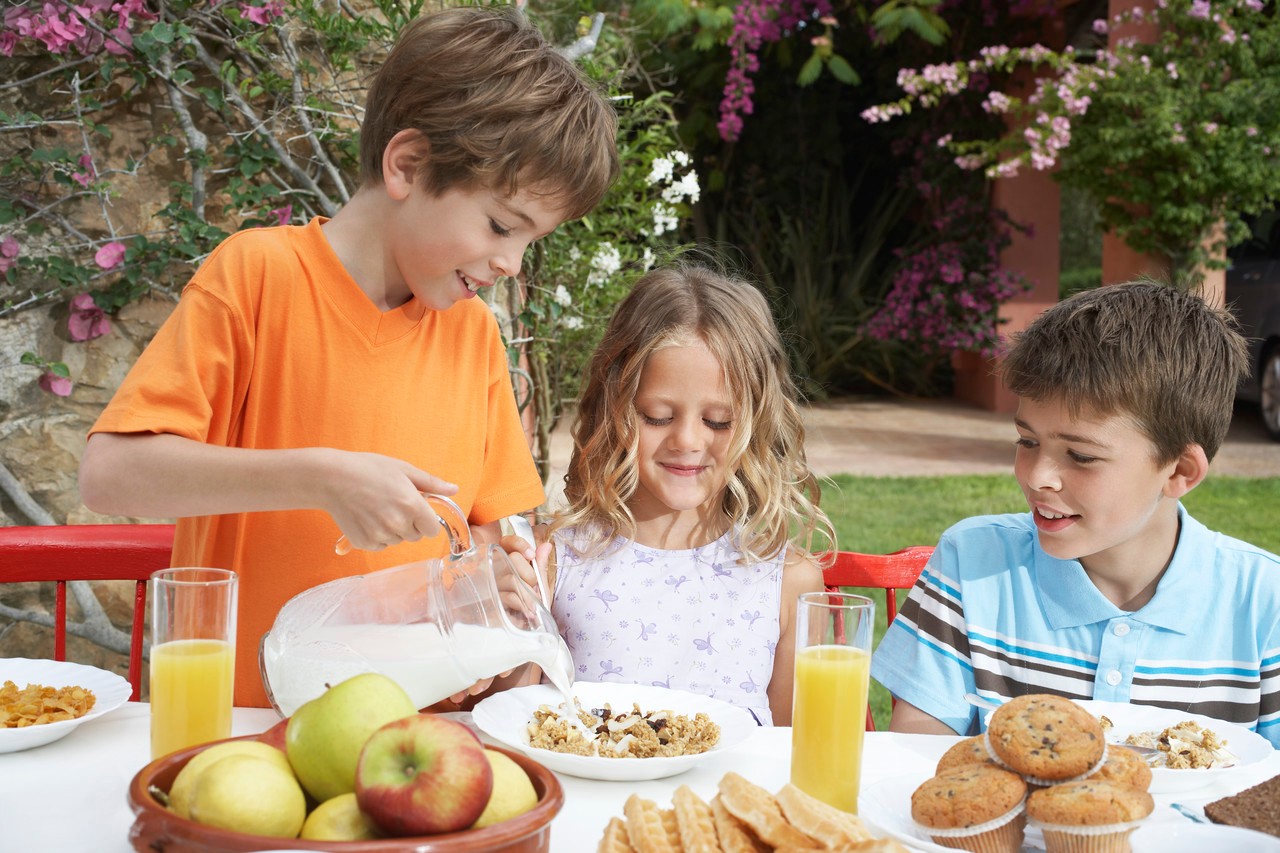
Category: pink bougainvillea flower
[55,384]
[119,43]
[283,214]
[8,253]
[87,320]
[263,14]
[110,255]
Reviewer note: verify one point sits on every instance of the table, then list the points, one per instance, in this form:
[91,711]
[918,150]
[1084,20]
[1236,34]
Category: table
[70,796]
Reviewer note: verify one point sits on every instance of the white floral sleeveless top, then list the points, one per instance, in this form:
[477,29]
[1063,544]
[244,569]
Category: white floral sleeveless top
[697,620]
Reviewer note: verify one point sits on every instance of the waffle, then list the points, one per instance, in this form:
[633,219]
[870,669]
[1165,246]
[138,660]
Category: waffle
[790,822]
[820,821]
[649,829]
[615,838]
[696,825]
[758,809]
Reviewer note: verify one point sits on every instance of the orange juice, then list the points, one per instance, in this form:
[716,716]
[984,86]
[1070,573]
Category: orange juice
[190,693]
[828,721]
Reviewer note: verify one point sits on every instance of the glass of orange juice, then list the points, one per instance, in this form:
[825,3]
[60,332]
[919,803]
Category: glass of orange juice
[193,632]
[829,705]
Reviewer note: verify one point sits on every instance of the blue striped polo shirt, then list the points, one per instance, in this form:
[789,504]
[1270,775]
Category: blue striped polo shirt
[992,613]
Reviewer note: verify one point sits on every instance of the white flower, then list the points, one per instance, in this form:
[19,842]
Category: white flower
[646,258]
[572,321]
[562,296]
[680,158]
[686,187]
[607,259]
[605,262]
[660,171]
[575,254]
[664,219]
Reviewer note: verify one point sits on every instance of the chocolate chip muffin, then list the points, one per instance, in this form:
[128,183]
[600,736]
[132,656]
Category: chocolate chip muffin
[1125,767]
[971,750]
[976,807]
[1046,738]
[1090,816]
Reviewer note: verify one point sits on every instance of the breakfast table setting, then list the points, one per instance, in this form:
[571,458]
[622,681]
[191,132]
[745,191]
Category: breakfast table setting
[70,794]
[562,766]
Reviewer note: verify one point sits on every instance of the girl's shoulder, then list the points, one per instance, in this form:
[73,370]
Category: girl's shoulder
[801,572]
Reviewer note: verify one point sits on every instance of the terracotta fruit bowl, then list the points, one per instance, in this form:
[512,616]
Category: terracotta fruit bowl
[156,828]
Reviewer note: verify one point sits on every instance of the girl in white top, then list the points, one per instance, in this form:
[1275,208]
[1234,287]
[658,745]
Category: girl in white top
[691,508]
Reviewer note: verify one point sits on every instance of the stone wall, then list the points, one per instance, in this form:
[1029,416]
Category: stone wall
[42,437]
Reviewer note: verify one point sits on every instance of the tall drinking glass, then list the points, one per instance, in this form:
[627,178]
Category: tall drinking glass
[829,708]
[193,632]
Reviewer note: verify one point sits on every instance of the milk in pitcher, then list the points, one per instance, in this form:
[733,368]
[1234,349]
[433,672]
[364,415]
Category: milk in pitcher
[427,665]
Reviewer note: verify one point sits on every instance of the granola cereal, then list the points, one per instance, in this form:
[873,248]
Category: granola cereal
[624,734]
[1186,746]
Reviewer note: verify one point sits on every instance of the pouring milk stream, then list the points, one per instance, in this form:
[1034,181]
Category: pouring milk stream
[435,627]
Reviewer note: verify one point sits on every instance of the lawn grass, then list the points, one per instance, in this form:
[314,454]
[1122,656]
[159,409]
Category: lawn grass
[881,514]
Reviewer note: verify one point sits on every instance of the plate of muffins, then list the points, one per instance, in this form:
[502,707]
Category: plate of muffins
[1042,777]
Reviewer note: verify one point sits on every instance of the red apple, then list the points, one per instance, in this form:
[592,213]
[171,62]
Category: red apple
[275,735]
[423,775]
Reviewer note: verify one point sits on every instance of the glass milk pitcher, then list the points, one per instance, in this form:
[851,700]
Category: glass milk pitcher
[435,626]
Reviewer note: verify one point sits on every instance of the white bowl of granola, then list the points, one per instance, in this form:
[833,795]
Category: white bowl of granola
[623,747]
[1208,749]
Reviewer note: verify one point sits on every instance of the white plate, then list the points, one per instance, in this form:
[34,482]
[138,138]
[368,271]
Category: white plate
[505,717]
[110,692]
[886,806]
[1248,747]
[1200,837]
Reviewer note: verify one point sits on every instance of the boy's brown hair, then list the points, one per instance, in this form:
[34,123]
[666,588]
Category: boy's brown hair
[497,106]
[1159,355]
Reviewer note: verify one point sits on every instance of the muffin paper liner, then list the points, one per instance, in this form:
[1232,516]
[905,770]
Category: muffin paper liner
[977,828]
[1040,781]
[1104,838]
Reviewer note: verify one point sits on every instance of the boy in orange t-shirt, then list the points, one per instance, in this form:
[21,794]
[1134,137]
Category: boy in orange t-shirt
[315,380]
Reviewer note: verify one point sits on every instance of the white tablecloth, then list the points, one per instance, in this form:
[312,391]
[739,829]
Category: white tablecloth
[70,796]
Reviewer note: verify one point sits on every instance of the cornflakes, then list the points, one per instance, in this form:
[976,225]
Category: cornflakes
[37,704]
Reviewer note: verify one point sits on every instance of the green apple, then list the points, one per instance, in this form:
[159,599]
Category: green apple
[324,737]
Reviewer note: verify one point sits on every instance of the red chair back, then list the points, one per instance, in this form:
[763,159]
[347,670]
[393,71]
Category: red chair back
[88,552]
[890,572]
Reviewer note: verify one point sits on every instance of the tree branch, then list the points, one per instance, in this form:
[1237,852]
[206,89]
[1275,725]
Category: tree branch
[585,45]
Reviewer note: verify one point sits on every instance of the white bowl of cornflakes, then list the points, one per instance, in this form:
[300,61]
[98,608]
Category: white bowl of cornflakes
[44,700]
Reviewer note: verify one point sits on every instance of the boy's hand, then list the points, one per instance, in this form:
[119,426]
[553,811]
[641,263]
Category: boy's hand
[377,501]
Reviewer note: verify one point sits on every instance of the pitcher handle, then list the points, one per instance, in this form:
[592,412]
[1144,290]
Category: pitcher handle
[450,516]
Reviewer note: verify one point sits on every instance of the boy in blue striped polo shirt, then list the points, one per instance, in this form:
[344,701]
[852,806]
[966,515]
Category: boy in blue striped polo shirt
[1107,589]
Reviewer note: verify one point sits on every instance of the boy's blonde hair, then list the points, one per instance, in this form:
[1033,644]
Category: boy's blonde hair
[497,107]
[1159,355]
[772,496]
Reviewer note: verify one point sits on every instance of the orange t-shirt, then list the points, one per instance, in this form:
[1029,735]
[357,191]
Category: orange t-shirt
[273,345]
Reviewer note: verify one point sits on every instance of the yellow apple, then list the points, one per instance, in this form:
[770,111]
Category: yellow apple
[184,782]
[249,794]
[339,819]
[513,793]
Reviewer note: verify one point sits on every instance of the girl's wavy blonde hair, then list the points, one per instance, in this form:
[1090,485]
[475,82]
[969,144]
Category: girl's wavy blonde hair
[772,497]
